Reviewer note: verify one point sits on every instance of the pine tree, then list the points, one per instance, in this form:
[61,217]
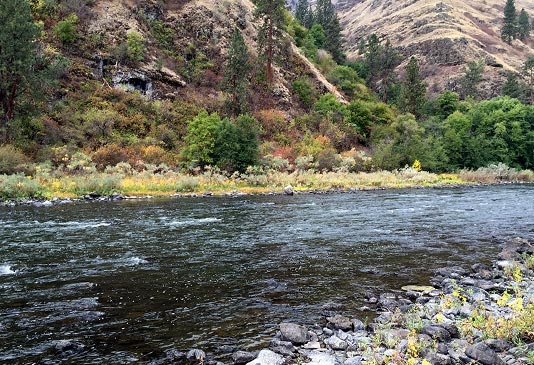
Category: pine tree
[271,15]
[509,28]
[18,55]
[235,81]
[301,12]
[523,22]
[471,79]
[528,73]
[326,16]
[512,87]
[390,59]
[413,95]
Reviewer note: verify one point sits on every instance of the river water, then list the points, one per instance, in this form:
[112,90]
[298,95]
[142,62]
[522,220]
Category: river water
[129,280]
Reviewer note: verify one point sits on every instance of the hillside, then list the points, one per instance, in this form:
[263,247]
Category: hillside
[444,34]
[187,43]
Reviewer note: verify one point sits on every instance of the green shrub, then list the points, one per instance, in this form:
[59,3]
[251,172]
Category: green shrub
[303,88]
[200,139]
[14,187]
[135,47]
[65,30]
[12,160]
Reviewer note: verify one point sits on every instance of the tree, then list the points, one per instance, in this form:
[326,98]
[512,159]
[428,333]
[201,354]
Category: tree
[18,56]
[471,79]
[235,80]
[271,15]
[523,24]
[202,133]
[512,87]
[301,12]
[327,17]
[528,72]
[509,28]
[413,95]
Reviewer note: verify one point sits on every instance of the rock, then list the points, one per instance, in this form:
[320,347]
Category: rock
[451,328]
[68,346]
[320,358]
[284,348]
[483,354]
[288,190]
[294,333]
[418,288]
[390,353]
[195,356]
[504,264]
[438,359]
[226,349]
[497,345]
[174,355]
[438,333]
[357,325]
[336,343]
[267,357]
[243,357]
[339,322]
[312,345]
[356,360]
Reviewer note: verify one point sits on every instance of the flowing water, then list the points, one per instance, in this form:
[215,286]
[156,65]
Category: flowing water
[129,280]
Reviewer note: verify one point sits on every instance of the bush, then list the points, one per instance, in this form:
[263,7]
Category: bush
[15,187]
[201,138]
[327,160]
[110,155]
[65,30]
[303,88]
[135,47]
[12,160]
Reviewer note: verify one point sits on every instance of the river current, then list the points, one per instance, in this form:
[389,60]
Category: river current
[130,280]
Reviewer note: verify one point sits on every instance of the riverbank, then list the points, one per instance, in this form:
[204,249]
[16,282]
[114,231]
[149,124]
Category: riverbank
[481,315]
[60,186]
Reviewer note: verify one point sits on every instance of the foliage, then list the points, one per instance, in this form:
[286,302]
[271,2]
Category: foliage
[509,28]
[413,96]
[14,187]
[346,78]
[523,25]
[326,16]
[200,139]
[18,56]
[135,47]
[471,79]
[66,31]
[304,90]
[12,160]
[235,81]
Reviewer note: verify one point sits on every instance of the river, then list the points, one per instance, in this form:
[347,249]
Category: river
[129,280]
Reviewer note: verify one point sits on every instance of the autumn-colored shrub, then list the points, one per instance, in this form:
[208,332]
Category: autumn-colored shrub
[110,155]
[12,160]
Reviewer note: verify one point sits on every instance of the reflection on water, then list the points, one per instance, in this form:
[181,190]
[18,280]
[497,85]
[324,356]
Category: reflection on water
[130,280]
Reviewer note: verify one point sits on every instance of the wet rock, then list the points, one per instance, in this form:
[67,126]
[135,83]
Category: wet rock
[195,356]
[357,325]
[437,333]
[226,349]
[243,357]
[68,347]
[267,357]
[327,331]
[174,355]
[288,190]
[483,354]
[336,343]
[339,322]
[294,333]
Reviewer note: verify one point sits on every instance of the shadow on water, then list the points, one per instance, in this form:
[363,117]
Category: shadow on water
[129,280]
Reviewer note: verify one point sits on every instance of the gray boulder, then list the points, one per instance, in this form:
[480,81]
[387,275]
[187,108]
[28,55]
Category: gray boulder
[243,357]
[195,356]
[340,322]
[267,357]
[336,343]
[483,354]
[437,333]
[294,333]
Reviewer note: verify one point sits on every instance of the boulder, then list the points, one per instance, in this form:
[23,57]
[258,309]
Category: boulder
[195,356]
[497,345]
[437,333]
[288,190]
[339,322]
[267,357]
[284,348]
[438,359]
[294,333]
[336,343]
[243,357]
[356,360]
[483,354]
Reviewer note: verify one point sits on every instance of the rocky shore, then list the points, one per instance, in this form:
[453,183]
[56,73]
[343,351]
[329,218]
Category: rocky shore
[481,315]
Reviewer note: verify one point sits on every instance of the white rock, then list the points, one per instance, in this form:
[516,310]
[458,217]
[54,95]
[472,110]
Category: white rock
[267,357]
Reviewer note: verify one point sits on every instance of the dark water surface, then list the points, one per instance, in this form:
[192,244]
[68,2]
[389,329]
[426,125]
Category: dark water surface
[130,280]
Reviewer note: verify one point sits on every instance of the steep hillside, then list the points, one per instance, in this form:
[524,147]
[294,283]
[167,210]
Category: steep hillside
[444,34]
[187,43]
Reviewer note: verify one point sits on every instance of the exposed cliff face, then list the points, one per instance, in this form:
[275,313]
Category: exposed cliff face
[444,34]
[187,43]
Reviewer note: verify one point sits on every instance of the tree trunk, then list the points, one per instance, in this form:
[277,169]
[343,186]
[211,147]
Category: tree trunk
[270,52]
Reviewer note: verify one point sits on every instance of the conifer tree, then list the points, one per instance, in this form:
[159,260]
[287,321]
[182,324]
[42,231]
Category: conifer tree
[523,23]
[509,28]
[235,81]
[18,55]
[413,95]
[512,87]
[301,12]
[326,16]
[271,15]
[471,79]
[528,73]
